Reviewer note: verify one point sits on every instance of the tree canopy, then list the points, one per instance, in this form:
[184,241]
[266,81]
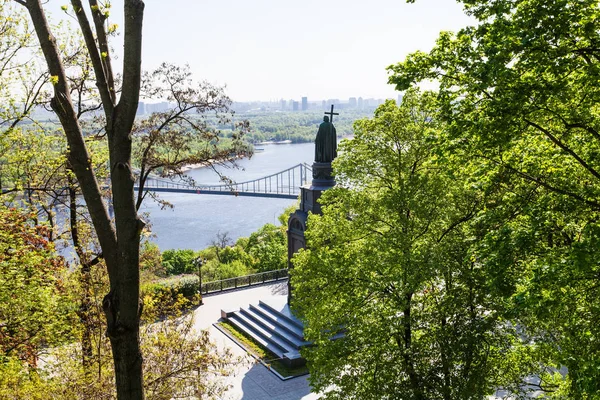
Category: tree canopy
[389,269]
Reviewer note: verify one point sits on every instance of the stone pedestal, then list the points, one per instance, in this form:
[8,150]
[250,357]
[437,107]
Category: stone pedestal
[322,175]
[309,196]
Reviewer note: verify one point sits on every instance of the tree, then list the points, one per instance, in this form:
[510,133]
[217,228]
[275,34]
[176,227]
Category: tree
[119,241]
[184,135]
[388,273]
[520,92]
[34,308]
[16,69]
[268,247]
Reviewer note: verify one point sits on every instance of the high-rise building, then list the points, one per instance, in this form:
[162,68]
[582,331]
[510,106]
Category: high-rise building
[360,103]
[304,104]
[295,106]
[283,104]
[352,102]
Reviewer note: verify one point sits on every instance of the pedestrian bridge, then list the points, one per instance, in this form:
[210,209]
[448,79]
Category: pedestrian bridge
[283,185]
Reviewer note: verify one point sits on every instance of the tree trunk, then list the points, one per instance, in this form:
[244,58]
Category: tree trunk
[119,243]
[85,304]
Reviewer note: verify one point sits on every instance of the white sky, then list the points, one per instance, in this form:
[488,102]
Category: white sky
[272,49]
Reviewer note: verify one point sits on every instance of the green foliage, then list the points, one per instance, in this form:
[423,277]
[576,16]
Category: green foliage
[268,246]
[34,306]
[151,260]
[179,362]
[172,290]
[520,94]
[214,271]
[235,253]
[177,262]
[389,266]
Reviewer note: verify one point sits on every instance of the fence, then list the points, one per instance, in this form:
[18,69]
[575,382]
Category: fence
[243,281]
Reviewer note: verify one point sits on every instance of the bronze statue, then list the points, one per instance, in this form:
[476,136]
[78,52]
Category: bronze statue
[326,142]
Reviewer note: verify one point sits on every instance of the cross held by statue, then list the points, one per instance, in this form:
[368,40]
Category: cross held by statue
[331,114]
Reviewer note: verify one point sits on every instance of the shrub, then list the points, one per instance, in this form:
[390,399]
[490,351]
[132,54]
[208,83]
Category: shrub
[178,262]
[181,292]
[268,247]
[151,259]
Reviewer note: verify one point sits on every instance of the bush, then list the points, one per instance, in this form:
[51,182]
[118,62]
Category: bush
[176,262]
[151,260]
[235,253]
[268,247]
[181,292]
[214,271]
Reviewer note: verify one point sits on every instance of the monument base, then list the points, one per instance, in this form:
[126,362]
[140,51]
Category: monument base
[322,175]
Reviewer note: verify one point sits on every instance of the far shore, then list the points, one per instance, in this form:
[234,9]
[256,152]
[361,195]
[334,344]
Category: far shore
[189,167]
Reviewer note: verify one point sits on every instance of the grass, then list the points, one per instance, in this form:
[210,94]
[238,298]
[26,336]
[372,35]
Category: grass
[263,354]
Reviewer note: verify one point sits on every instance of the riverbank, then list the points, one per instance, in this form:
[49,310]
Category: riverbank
[189,167]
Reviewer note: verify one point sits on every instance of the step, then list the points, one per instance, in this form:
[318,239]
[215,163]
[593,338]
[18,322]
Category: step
[257,330]
[292,329]
[274,348]
[280,315]
[275,329]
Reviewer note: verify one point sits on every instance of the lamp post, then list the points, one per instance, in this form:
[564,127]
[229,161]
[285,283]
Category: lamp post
[199,262]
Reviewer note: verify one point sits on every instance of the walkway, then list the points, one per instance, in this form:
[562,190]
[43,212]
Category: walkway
[252,381]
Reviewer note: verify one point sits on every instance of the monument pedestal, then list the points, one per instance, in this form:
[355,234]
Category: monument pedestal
[309,196]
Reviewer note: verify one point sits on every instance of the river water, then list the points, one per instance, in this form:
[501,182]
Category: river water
[195,219]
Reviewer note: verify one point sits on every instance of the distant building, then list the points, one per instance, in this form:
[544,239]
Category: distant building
[157,107]
[352,102]
[360,103]
[283,104]
[295,106]
[304,104]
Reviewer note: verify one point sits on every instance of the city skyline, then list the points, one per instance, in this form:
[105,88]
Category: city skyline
[269,50]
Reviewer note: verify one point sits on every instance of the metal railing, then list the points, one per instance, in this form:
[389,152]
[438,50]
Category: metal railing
[243,281]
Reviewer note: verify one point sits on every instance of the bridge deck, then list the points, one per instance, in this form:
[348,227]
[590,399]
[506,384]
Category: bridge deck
[282,185]
[200,190]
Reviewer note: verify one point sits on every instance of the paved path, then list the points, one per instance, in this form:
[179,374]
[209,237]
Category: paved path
[252,381]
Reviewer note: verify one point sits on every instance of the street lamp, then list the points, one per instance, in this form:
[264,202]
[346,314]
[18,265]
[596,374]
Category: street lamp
[199,263]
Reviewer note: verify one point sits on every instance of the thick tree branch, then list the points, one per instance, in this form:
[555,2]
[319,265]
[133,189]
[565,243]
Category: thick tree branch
[99,19]
[78,155]
[132,62]
[95,56]
[564,147]
[539,181]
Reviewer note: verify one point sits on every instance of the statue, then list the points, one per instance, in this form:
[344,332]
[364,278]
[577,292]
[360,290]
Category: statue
[326,142]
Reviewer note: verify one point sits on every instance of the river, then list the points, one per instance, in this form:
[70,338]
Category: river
[195,219]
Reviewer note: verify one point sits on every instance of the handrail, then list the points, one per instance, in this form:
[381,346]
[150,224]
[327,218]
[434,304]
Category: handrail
[224,285]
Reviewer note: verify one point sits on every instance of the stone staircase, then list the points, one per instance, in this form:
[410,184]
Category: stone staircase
[274,327]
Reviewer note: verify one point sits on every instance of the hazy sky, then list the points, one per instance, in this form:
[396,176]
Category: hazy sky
[272,49]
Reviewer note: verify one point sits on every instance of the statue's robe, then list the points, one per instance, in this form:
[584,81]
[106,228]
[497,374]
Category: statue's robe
[326,143]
